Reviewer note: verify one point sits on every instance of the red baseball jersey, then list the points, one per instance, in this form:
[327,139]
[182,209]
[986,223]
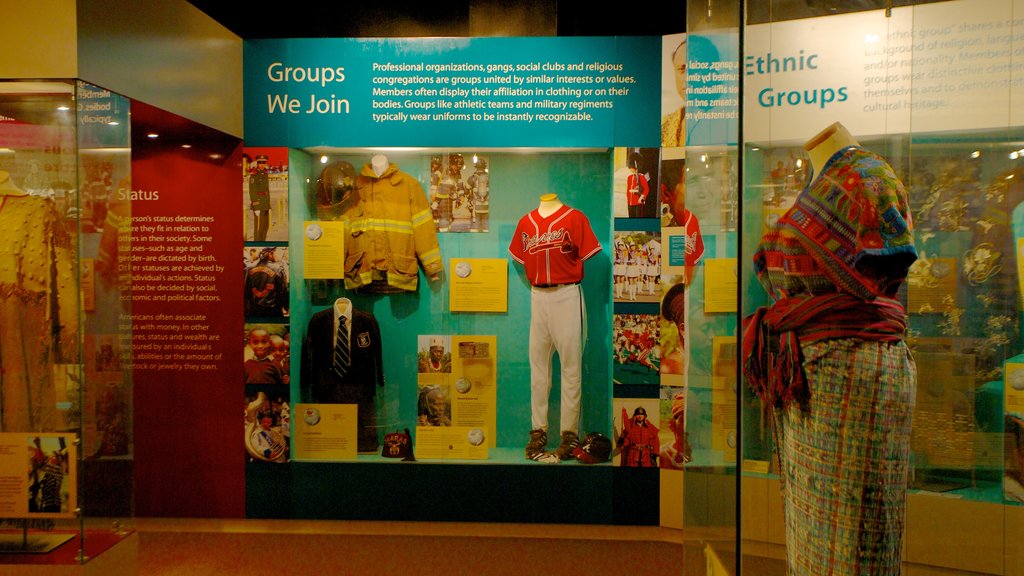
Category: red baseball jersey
[553,249]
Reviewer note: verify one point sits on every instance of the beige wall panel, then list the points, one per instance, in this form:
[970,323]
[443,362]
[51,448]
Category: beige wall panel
[776,513]
[168,54]
[754,509]
[39,39]
[671,501]
[957,534]
[1014,540]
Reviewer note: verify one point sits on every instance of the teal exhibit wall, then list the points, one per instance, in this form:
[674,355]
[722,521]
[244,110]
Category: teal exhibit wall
[581,180]
[338,99]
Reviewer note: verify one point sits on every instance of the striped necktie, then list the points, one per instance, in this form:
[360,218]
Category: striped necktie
[341,351]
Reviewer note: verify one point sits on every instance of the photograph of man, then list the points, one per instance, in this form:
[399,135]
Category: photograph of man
[637,440]
[673,91]
[434,356]
[266,284]
[434,407]
[635,182]
[265,194]
[259,198]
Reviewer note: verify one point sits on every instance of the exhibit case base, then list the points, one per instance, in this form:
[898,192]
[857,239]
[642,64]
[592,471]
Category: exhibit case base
[91,553]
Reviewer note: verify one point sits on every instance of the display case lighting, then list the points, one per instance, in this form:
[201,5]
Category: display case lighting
[1014,155]
[323,159]
[63,108]
[113,123]
[976,154]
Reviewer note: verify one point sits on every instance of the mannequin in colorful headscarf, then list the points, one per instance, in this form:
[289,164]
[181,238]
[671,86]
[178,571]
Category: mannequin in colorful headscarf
[829,362]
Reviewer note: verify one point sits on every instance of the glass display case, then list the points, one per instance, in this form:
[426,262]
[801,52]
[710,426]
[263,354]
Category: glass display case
[66,393]
[902,87]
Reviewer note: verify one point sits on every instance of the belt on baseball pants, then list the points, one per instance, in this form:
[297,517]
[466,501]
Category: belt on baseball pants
[555,285]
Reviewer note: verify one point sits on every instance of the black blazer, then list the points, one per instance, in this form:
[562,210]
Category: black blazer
[317,378]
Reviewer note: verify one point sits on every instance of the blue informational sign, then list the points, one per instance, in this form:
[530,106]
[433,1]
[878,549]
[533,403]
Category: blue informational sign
[677,251]
[481,92]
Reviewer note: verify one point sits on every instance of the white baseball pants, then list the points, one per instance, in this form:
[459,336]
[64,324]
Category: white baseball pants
[557,323]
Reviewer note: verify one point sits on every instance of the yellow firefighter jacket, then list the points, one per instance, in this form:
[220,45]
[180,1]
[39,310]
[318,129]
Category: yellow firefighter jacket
[388,227]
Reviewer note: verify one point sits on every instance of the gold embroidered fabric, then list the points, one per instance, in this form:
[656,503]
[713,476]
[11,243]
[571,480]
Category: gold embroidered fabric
[38,312]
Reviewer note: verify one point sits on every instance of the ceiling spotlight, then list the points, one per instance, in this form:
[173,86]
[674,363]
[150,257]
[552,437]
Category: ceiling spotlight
[976,154]
[113,123]
[63,108]
[216,156]
[152,135]
[186,145]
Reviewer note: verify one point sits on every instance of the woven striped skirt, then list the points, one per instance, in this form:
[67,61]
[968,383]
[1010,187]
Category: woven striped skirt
[845,459]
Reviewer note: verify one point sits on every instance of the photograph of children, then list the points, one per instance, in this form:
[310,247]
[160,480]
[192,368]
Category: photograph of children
[460,194]
[267,354]
[267,428]
[49,478]
[435,355]
[673,90]
[266,281]
[636,271]
[635,426]
[635,182]
[675,442]
[674,305]
[265,194]
[636,349]
[434,406]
